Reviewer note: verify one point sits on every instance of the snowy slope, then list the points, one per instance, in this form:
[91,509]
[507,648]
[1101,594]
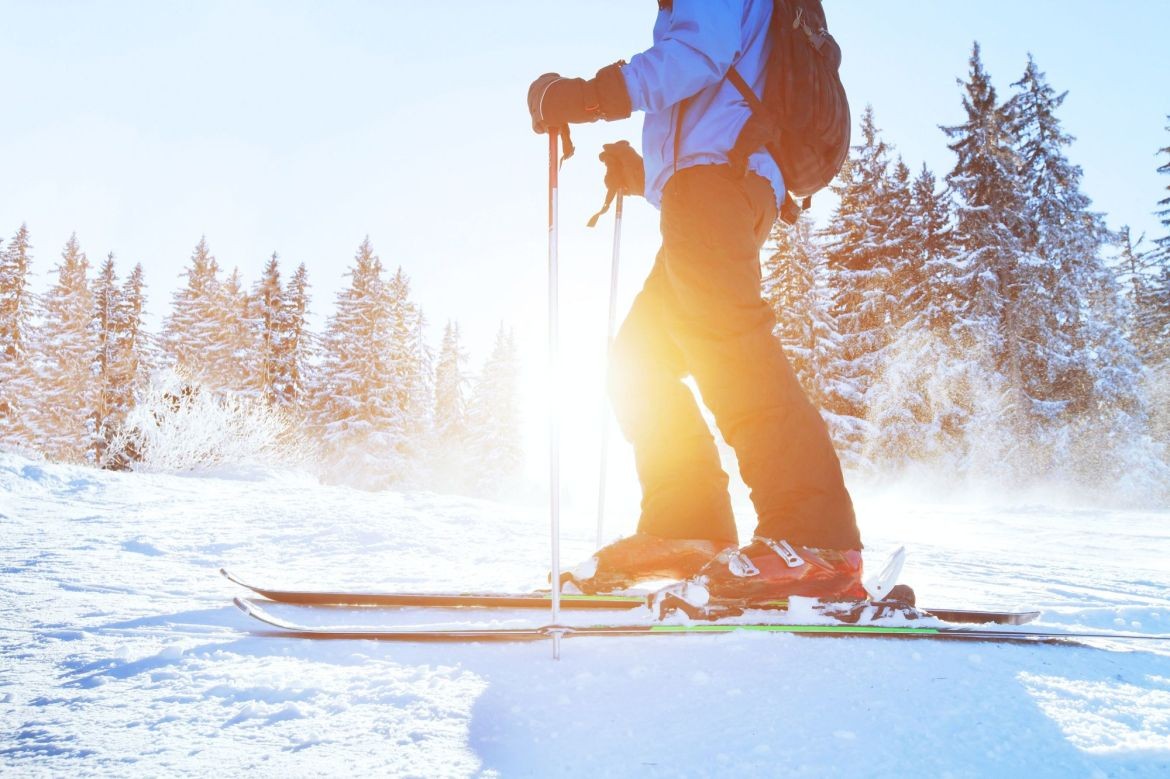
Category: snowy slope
[121,655]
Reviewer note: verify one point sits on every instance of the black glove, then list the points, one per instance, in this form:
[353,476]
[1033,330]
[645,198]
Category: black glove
[624,171]
[554,101]
[625,174]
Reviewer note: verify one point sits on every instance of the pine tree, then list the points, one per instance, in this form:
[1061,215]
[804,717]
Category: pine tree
[450,410]
[123,361]
[911,407]
[107,308]
[357,410]
[1163,242]
[270,325]
[926,290]
[494,419]
[989,209]
[902,249]
[207,335]
[1063,240]
[411,359]
[450,462]
[861,249]
[234,352]
[135,356]
[796,285]
[191,333]
[296,351]
[64,352]
[1137,278]
[1157,312]
[16,310]
[15,296]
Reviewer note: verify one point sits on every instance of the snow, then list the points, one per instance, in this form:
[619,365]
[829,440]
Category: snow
[121,654]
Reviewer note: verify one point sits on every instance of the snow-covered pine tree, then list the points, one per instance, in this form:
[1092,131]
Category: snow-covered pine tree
[861,250]
[901,247]
[1158,311]
[1061,239]
[17,305]
[356,410]
[989,208]
[796,285]
[1163,241]
[790,285]
[412,364]
[1080,364]
[1109,437]
[926,294]
[1154,315]
[107,295]
[192,332]
[63,355]
[206,336]
[449,460]
[494,419]
[450,411]
[15,296]
[269,321]
[918,405]
[233,354]
[133,360]
[1135,276]
[295,356]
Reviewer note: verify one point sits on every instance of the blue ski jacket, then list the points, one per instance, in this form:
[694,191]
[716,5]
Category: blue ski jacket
[695,43]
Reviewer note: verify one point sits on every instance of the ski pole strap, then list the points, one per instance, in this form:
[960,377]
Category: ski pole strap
[609,196]
[566,144]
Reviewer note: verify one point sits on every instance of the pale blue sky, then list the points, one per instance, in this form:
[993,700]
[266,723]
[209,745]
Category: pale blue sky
[301,127]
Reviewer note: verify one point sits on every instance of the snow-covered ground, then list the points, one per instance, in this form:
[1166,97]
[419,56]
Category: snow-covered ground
[121,654]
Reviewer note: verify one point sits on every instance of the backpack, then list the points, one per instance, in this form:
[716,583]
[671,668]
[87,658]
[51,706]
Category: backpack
[803,120]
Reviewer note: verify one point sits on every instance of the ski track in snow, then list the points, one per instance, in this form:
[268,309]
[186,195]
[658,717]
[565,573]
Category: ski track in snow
[121,654]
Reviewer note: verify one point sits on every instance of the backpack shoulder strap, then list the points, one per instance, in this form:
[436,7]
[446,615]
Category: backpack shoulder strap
[760,130]
[753,101]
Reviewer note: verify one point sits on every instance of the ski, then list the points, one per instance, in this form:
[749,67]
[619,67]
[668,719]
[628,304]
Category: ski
[542,599]
[533,600]
[288,629]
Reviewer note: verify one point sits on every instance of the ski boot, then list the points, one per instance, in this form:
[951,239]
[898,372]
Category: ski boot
[641,557]
[765,574]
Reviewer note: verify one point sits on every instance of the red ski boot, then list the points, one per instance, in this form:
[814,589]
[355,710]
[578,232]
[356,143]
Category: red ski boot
[767,571]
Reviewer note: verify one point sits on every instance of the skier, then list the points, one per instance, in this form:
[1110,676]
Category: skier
[700,313]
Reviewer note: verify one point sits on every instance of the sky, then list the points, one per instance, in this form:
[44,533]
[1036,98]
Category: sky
[301,127]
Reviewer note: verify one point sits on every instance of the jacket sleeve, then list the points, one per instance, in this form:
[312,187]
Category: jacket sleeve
[700,44]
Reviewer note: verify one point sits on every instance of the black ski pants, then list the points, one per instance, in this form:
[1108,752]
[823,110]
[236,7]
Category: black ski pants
[701,314]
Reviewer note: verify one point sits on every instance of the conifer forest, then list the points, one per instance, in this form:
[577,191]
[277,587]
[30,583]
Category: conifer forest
[980,321]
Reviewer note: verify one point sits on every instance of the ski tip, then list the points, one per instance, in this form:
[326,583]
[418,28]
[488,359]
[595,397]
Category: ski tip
[231,577]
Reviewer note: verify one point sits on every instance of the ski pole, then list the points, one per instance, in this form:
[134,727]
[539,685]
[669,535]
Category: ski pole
[613,285]
[554,454]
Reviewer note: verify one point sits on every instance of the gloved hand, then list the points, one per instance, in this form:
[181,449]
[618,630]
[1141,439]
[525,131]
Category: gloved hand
[624,170]
[554,101]
[625,174]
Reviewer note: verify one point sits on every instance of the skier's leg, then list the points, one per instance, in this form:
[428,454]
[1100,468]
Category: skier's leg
[684,487]
[714,225]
